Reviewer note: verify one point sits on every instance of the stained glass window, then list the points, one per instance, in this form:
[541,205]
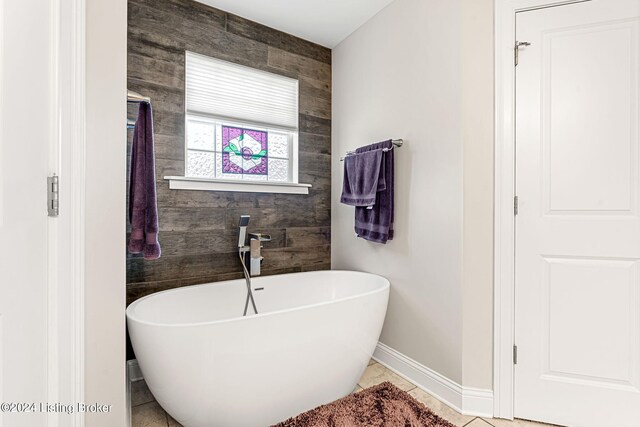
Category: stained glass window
[244,151]
[232,151]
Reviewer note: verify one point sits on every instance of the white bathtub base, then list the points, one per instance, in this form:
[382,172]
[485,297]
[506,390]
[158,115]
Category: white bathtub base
[466,400]
[208,366]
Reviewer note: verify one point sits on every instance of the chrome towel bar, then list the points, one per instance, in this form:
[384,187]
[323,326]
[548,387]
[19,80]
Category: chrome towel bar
[396,143]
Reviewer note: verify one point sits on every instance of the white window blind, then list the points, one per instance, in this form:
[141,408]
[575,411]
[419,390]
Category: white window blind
[223,89]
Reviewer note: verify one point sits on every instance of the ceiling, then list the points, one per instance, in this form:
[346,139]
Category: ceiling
[325,22]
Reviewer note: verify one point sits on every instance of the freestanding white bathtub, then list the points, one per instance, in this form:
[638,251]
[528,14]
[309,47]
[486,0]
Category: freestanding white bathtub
[208,366]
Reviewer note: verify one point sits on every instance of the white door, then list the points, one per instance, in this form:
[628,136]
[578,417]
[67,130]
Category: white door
[25,78]
[578,225]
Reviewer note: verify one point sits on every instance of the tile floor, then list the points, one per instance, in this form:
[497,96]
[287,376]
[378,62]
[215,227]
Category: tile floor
[145,412]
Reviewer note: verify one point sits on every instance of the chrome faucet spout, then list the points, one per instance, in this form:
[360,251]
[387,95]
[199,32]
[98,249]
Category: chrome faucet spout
[260,237]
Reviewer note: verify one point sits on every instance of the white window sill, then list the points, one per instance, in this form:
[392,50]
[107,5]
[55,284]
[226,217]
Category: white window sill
[187,183]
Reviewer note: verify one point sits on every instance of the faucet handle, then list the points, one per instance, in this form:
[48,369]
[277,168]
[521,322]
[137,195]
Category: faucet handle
[260,237]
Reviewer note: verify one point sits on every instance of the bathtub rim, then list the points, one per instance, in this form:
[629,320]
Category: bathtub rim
[129,309]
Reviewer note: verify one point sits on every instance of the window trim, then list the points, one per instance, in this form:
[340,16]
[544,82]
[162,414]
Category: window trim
[207,184]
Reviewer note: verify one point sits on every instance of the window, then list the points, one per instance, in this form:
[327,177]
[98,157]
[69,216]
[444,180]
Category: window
[241,123]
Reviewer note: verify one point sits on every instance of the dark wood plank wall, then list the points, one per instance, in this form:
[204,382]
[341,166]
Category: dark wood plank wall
[198,229]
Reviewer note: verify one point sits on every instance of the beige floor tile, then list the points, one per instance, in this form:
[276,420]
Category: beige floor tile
[376,374]
[371,362]
[440,408]
[140,393]
[357,389]
[499,422]
[148,415]
[172,422]
[478,422]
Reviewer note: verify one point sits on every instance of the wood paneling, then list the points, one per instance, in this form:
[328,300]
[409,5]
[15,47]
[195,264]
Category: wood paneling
[277,39]
[311,143]
[314,125]
[198,229]
[302,66]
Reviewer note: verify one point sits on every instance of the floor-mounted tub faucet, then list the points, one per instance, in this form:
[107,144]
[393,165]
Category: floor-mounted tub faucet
[242,250]
[250,254]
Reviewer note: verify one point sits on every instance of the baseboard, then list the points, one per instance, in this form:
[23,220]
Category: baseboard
[477,401]
[466,400]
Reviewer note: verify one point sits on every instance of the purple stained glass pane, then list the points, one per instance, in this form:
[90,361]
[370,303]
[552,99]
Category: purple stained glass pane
[244,151]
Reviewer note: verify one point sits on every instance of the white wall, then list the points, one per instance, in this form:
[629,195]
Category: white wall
[477,120]
[106,70]
[405,74]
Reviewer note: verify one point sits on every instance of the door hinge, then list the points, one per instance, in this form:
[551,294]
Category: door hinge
[515,205]
[53,195]
[515,354]
[517,50]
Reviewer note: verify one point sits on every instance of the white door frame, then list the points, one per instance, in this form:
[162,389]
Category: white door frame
[504,225]
[66,248]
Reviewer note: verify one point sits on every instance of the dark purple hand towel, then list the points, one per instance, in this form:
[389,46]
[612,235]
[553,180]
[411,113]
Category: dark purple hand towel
[361,183]
[376,223]
[143,210]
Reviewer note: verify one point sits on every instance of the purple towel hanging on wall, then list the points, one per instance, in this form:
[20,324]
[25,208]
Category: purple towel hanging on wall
[362,178]
[375,222]
[143,210]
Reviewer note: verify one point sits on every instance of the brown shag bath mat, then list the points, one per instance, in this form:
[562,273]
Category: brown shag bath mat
[384,405]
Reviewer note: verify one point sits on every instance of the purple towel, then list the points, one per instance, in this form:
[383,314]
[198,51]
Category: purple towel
[143,211]
[376,223]
[361,178]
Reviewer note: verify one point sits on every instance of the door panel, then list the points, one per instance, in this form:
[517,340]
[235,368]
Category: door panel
[24,139]
[577,344]
[578,226]
[580,117]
